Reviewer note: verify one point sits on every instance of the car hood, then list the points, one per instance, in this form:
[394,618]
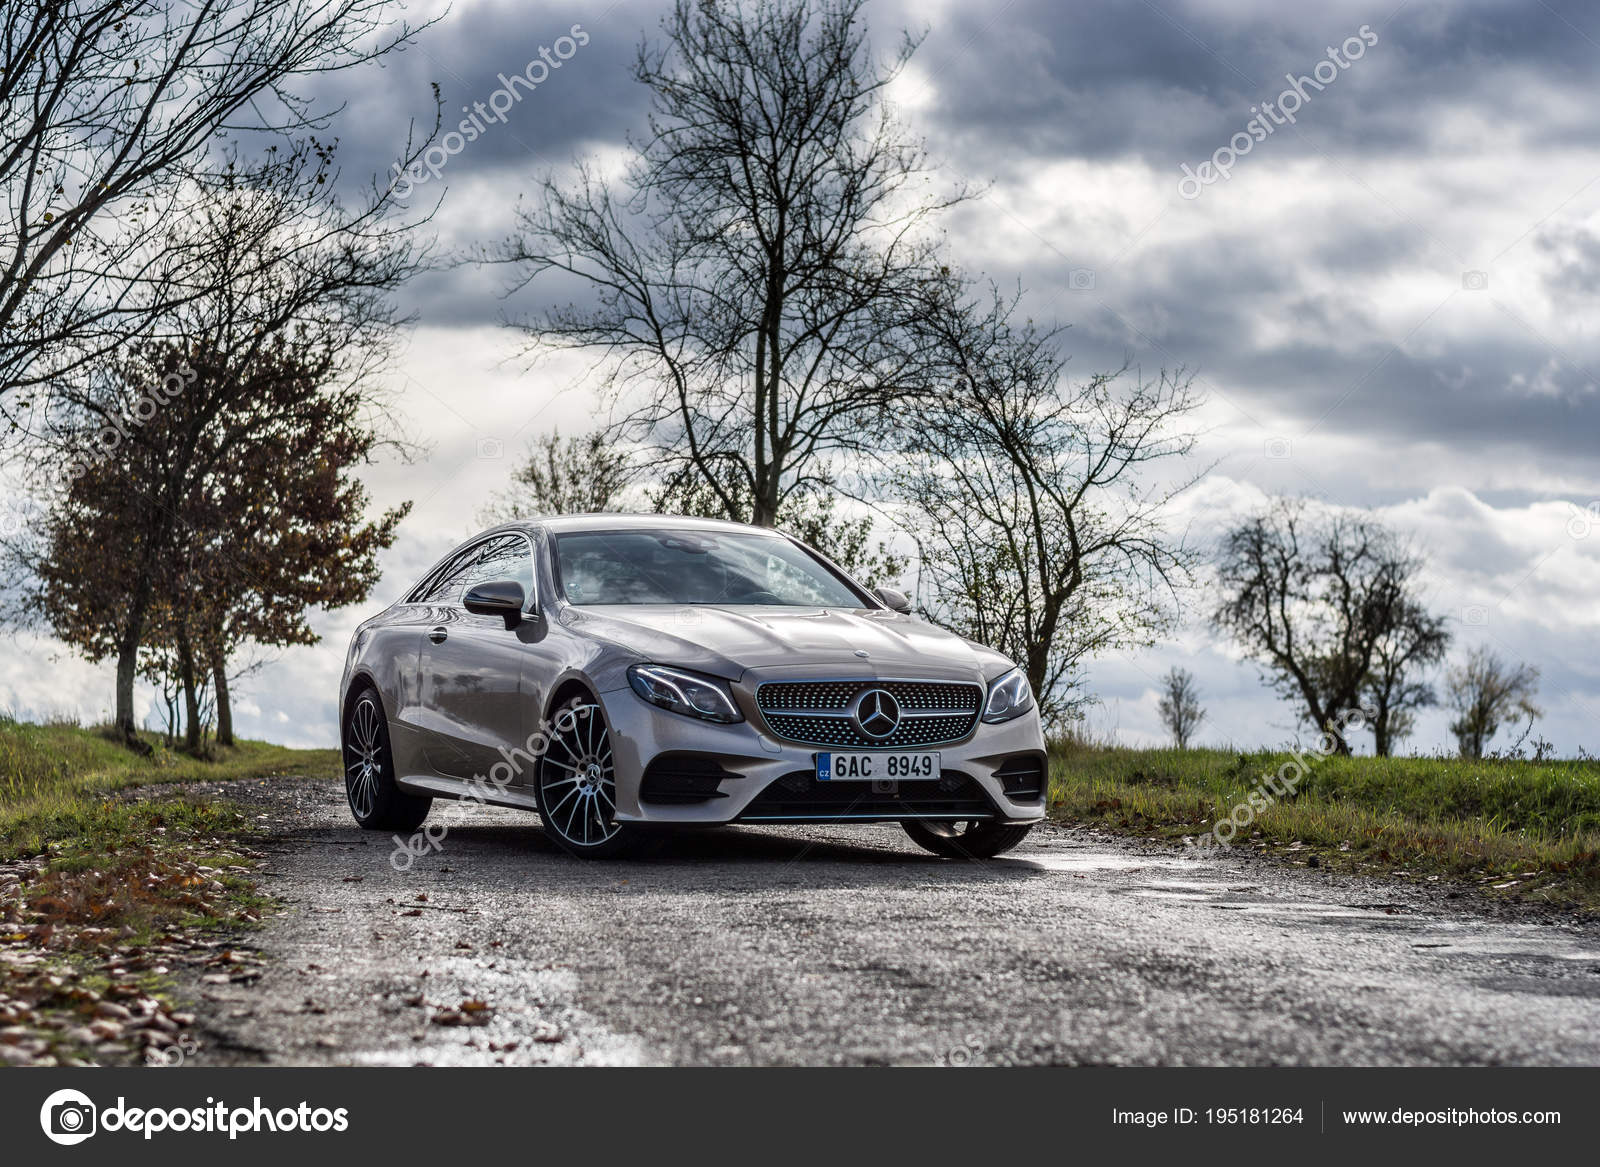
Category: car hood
[728,642]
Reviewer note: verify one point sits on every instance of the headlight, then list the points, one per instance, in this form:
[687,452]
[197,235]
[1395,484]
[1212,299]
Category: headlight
[1009,696]
[686,693]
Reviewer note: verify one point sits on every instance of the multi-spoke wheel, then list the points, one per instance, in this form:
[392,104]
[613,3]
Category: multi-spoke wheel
[577,787]
[375,801]
[956,839]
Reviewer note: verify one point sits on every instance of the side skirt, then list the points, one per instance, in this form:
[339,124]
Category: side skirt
[457,789]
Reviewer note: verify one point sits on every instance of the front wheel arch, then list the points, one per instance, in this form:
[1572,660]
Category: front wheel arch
[566,691]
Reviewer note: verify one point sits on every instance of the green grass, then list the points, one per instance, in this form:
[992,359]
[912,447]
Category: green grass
[96,875]
[54,777]
[1531,826]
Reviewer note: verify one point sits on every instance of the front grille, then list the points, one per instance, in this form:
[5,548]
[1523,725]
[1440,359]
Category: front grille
[777,696]
[840,731]
[1022,777]
[799,797]
[816,712]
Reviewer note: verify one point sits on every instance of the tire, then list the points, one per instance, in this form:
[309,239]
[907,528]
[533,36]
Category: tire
[376,803]
[979,839]
[576,786]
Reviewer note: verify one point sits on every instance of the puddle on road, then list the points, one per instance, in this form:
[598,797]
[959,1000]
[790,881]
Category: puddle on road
[1427,933]
[1188,887]
[1162,893]
[1218,893]
[1305,909]
[1082,862]
[1464,940]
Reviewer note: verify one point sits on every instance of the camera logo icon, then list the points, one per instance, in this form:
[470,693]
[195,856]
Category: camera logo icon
[1474,281]
[1475,615]
[1583,520]
[68,1117]
[489,449]
[1081,279]
[1278,449]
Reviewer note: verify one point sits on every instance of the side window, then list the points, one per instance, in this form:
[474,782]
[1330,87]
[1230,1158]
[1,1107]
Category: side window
[507,557]
[445,584]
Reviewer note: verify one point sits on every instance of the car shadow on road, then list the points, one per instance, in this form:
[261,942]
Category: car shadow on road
[849,854]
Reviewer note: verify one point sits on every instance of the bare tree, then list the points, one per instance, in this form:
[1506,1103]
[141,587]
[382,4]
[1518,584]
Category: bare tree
[812,516]
[565,476]
[1485,692]
[758,276]
[108,109]
[1394,690]
[590,473]
[1311,594]
[1180,707]
[1023,492]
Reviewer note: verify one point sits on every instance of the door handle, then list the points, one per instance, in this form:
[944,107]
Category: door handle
[438,635]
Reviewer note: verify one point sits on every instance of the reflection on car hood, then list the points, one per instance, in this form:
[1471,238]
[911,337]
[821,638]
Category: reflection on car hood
[727,641]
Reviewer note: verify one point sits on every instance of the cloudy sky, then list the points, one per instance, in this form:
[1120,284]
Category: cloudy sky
[1389,300]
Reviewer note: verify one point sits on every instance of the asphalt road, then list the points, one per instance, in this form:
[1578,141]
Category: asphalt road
[849,946]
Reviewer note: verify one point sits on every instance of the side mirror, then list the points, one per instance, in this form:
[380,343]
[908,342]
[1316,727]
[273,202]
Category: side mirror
[499,597]
[890,598]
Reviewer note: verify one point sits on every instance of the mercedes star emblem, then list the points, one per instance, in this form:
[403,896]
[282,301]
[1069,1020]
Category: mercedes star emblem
[876,713]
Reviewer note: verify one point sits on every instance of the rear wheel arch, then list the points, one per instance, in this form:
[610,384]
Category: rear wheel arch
[366,755]
[359,683]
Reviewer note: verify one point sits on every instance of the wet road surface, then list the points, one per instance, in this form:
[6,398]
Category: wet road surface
[835,945]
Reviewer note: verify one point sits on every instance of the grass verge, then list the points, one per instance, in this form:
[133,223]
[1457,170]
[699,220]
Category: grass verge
[1516,829]
[105,891]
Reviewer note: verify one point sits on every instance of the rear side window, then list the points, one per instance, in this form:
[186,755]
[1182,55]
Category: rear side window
[446,583]
[503,557]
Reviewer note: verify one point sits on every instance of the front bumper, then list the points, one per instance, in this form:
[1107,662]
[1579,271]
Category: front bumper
[766,779]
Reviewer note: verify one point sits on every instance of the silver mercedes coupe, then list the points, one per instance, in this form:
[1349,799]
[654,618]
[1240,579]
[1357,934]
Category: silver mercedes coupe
[616,673]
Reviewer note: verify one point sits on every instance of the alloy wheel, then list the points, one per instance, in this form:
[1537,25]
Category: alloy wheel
[364,758]
[577,779]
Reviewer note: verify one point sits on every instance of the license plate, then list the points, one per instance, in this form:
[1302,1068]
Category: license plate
[877,767]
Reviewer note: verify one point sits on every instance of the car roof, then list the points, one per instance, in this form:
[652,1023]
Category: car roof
[608,521]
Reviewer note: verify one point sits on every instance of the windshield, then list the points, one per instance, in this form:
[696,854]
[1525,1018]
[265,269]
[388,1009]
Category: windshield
[695,567]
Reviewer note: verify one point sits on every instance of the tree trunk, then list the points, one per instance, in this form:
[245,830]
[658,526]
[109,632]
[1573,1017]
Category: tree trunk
[764,504]
[127,669]
[127,665]
[128,656]
[219,684]
[191,701]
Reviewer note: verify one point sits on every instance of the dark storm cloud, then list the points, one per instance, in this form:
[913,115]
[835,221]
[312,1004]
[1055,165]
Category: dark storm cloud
[1016,87]
[1164,80]
[585,100]
[1473,376]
